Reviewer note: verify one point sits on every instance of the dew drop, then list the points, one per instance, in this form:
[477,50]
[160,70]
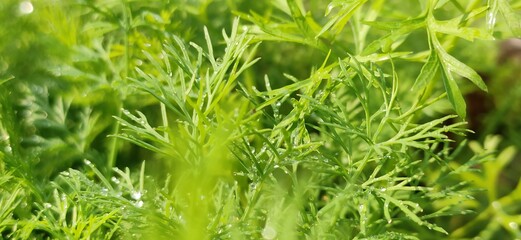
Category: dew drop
[218,61]
[513,225]
[269,232]
[361,207]
[383,189]
[263,149]
[47,205]
[496,205]
[115,180]
[26,7]
[491,20]
[136,195]
[87,162]
[104,191]
[139,204]
[330,8]
[182,219]
[389,221]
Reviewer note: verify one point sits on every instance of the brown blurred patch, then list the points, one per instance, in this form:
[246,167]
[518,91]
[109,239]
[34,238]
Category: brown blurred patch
[510,50]
[480,103]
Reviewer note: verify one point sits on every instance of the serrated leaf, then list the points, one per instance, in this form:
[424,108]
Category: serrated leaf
[454,94]
[512,18]
[476,12]
[180,56]
[451,27]
[493,9]
[454,65]
[298,17]
[375,57]
[338,22]
[428,71]
[397,35]
[410,214]
[274,31]
[407,25]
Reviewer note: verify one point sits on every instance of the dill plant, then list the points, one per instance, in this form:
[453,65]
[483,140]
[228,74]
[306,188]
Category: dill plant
[239,120]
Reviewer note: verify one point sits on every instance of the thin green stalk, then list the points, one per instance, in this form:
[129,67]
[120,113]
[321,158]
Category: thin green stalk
[113,147]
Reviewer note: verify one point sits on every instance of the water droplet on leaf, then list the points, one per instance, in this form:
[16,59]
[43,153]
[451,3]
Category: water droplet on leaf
[136,195]
[513,225]
[115,180]
[26,7]
[496,205]
[330,8]
[218,61]
[491,20]
[139,204]
[269,232]
[361,207]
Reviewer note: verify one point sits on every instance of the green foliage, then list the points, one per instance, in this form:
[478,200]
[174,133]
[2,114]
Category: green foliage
[502,209]
[247,120]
